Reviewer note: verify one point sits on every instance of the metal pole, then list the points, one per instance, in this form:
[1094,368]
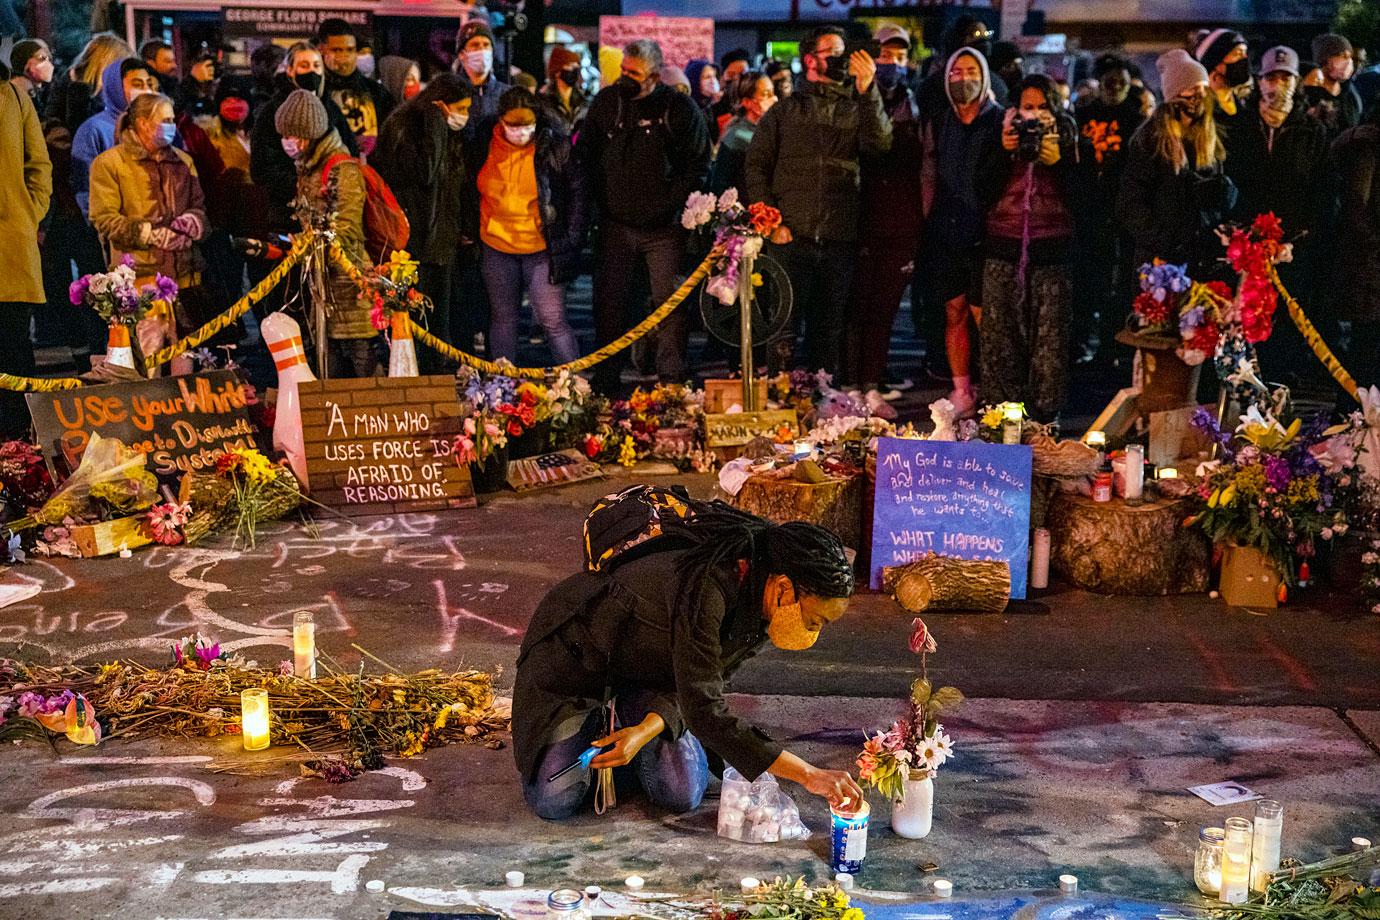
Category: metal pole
[745,267]
[318,283]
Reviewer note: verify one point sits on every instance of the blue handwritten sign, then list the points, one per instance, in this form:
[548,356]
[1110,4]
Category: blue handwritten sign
[970,500]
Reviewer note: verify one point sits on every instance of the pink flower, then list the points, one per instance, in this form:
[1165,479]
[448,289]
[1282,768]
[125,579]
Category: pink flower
[167,520]
[921,642]
[867,765]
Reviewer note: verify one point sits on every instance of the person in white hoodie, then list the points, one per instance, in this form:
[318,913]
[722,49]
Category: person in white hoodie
[959,146]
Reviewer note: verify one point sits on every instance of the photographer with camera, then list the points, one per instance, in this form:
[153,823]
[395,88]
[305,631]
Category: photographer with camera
[1026,288]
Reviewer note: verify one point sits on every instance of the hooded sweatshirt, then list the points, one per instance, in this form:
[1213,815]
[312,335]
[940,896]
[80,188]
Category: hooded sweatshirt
[509,216]
[955,156]
[97,134]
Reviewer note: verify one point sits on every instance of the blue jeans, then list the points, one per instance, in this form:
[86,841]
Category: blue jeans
[505,278]
[674,774]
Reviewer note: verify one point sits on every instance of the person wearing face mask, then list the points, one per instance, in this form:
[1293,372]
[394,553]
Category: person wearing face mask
[732,66]
[26,188]
[756,94]
[781,77]
[364,62]
[31,69]
[1104,277]
[705,89]
[1223,54]
[967,31]
[657,632]
[273,170]
[1026,284]
[644,148]
[1278,157]
[888,242]
[321,159]
[362,99]
[421,155]
[804,160]
[959,147]
[401,76]
[1336,64]
[532,213]
[1174,192]
[122,82]
[474,48]
[147,204]
[564,93]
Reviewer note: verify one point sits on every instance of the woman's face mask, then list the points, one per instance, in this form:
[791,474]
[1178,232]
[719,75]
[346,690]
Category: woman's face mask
[787,630]
[40,68]
[164,134]
[309,81]
[1190,107]
[365,64]
[457,122]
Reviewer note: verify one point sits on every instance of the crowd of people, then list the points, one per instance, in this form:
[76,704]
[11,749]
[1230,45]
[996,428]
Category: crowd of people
[1013,208]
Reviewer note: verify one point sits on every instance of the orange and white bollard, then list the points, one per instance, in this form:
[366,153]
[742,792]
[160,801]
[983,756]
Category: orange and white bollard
[402,354]
[283,337]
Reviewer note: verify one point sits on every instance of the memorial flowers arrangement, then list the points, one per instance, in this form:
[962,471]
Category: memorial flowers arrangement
[1253,252]
[558,411]
[1268,490]
[630,431]
[23,475]
[259,490]
[116,297]
[786,899]
[166,520]
[479,439]
[738,231]
[345,721]
[1329,889]
[1170,303]
[391,288]
[917,746]
[110,482]
[62,712]
[1351,453]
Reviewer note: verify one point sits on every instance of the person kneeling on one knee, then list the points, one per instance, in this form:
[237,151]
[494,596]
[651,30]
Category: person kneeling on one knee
[656,634]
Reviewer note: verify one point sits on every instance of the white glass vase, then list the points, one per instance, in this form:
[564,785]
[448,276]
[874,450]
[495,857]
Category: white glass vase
[912,815]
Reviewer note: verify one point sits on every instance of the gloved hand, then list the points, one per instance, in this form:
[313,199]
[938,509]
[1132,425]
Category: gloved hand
[189,225]
[168,239]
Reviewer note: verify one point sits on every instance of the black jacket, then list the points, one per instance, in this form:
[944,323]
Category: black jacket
[1172,215]
[1287,170]
[805,157]
[562,199]
[1356,280]
[730,163]
[890,188]
[423,162]
[643,157]
[272,169]
[1107,131]
[596,635]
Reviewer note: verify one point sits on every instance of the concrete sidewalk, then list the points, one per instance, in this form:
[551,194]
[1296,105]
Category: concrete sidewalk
[1037,788]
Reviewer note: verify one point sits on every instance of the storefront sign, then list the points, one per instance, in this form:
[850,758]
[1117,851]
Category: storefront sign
[682,38]
[734,429]
[970,500]
[289,22]
[182,423]
[382,445]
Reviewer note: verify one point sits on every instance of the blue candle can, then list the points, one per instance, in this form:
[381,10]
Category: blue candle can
[849,847]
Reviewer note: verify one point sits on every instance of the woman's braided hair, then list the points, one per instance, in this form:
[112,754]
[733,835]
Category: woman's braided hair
[812,557]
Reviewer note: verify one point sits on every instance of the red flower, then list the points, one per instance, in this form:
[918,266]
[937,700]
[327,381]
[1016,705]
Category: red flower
[920,639]
[1267,226]
[1259,299]
[593,447]
[528,415]
[765,218]
[515,428]
[1219,288]
[1154,312]
[527,398]
[1204,339]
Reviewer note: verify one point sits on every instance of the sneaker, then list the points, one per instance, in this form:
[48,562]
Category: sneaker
[964,403]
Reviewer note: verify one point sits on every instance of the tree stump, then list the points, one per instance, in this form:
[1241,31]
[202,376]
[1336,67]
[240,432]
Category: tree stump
[1116,548]
[835,505]
[936,582]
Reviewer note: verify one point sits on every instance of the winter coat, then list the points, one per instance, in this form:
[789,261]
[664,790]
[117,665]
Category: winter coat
[572,115]
[1287,170]
[485,105]
[134,191]
[365,104]
[730,163]
[1171,214]
[891,192]
[643,157]
[272,169]
[72,102]
[347,317]
[955,158]
[1033,203]
[26,184]
[97,134]
[805,159]
[423,162]
[562,198]
[1356,279]
[597,635]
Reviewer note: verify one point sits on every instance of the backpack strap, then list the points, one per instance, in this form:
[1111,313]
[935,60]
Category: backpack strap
[331,162]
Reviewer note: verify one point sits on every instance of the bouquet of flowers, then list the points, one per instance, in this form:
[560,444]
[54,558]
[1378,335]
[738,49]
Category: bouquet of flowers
[1253,252]
[917,746]
[117,299]
[629,433]
[23,475]
[1268,490]
[737,232]
[1351,454]
[390,288]
[64,712]
[786,899]
[480,438]
[111,481]
[261,490]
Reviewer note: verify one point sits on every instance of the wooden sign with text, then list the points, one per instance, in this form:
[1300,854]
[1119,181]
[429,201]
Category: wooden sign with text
[734,429]
[182,423]
[381,445]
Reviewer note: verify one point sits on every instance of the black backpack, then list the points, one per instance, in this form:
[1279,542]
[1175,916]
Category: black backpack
[620,521]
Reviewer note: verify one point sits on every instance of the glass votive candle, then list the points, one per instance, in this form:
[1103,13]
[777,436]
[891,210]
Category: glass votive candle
[1236,861]
[304,644]
[254,718]
[1207,863]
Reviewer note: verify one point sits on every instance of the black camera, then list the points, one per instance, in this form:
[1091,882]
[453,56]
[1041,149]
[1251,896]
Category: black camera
[1030,133]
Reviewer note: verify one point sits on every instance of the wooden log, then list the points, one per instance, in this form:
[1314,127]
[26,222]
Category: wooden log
[936,582]
[1116,548]
[835,504]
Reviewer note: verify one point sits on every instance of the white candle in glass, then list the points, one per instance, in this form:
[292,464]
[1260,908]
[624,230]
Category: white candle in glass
[1269,827]
[1236,861]
[1039,559]
[303,644]
[1135,472]
[254,718]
